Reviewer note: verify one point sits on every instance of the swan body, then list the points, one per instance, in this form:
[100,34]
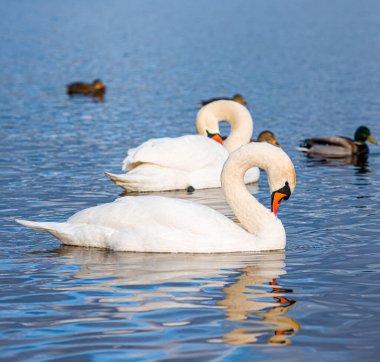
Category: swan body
[192,161]
[152,224]
[197,162]
[339,146]
[159,224]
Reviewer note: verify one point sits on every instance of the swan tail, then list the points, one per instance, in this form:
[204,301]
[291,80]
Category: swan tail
[72,234]
[121,180]
[129,182]
[41,226]
[59,230]
[146,180]
[113,177]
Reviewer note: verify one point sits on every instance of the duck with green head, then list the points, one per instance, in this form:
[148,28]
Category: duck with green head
[339,146]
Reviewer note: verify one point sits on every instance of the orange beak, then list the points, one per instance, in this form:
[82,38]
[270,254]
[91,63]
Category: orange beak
[276,201]
[217,138]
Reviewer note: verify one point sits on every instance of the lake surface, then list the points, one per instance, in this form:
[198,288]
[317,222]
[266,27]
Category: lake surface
[307,68]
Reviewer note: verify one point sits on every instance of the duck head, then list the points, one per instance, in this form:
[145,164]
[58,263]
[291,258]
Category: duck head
[240,99]
[98,84]
[363,134]
[268,136]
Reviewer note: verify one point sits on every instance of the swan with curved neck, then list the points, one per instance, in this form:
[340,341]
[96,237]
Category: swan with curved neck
[189,162]
[160,224]
[237,116]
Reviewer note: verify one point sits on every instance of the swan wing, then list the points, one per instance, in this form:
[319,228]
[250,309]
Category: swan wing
[151,224]
[184,153]
[150,211]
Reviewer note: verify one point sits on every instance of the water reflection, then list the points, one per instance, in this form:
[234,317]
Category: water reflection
[88,97]
[360,162]
[210,197]
[250,300]
[247,288]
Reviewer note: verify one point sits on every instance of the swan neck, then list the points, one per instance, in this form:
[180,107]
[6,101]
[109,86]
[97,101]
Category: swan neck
[241,124]
[252,215]
[235,114]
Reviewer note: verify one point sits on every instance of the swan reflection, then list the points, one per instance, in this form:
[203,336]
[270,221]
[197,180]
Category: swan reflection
[245,287]
[262,306]
[210,197]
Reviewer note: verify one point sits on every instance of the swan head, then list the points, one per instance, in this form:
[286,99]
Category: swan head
[209,116]
[273,160]
[281,177]
[207,124]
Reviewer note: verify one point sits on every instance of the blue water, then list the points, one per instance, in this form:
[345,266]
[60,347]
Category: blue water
[307,68]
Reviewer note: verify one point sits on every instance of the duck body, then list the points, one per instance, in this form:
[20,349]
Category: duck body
[333,146]
[196,162]
[339,146]
[188,162]
[159,224]
[96,88]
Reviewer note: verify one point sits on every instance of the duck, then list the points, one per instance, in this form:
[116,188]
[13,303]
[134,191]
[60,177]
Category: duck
[339,146]
[149,223]
[267,136]
[96,88]
[236,98]
[264,136]
[190,162]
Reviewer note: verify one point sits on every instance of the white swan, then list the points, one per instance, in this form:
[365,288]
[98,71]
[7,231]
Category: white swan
[188,162]
[159,224]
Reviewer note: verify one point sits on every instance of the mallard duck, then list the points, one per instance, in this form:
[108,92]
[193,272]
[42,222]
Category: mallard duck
[264,136]
[96,88]
[237,98]
[267,136]
[339,146]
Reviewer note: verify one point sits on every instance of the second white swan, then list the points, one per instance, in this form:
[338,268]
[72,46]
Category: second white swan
[160,224]
[189,162]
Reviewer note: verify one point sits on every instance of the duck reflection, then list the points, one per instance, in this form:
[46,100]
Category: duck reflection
[360,162]
[254,303]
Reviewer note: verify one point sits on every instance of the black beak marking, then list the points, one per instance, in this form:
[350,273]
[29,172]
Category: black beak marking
[283,190]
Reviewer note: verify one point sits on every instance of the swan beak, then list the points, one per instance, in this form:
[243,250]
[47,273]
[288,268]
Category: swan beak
[370,139]
[216,137]
[276,201]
